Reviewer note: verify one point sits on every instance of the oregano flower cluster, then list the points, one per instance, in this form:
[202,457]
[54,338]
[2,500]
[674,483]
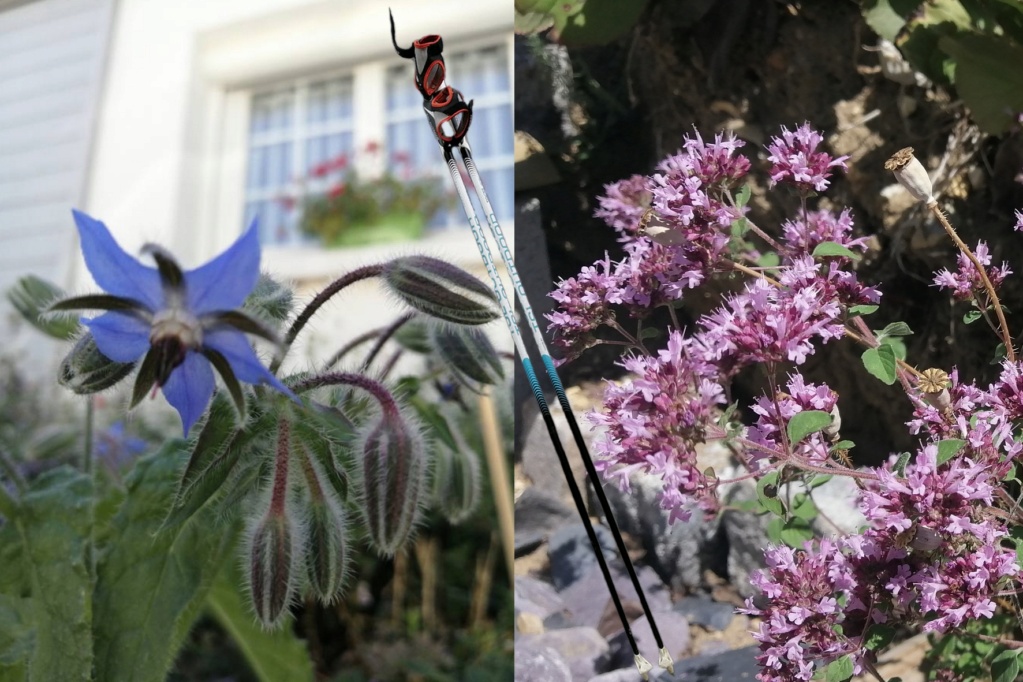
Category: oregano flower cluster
[937,548]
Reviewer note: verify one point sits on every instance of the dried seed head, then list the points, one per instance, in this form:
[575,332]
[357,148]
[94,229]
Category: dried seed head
[912,175]
[832,430]
[441,290]
[393,464]
[934,385]
[86,370]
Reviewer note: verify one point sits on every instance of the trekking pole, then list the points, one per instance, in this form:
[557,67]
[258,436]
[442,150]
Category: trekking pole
[450,117]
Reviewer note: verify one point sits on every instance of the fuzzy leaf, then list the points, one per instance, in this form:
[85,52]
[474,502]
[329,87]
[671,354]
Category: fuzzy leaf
[947,449]
[971,316]
[1005,667]
[825,249]
[879,636]
[17,636]
[795,532]
[151,584]
[743,195]
[862,310]
[895,329]
[803,424]
[991,88]
[274,656]
[54,521]
[881,363]
[839,670]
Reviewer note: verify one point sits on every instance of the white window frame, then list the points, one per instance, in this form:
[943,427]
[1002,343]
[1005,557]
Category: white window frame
[231,71]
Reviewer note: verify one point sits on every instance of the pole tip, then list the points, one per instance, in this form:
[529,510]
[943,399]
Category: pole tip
[664,660]
[643,666]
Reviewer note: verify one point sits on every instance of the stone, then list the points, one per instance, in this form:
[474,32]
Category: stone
[582,648]
[537,514]
[747,537]
[700,610]
[735,665]
[536,597]
[571,554]
[588,598]
[674,629]
[534,660]
[527,623]
[680,551]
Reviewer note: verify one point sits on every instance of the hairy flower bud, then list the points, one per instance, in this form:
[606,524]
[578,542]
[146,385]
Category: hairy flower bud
[911,174]
[272,556]
[270,300]
[469,355]
[441,290]
[392,463]
[326,546]
[86,370]
[456,483]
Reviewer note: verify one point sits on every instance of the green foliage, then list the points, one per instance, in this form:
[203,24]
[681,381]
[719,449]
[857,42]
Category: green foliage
[834,249]
[975,46]
[274,656]
[839,670]
[881,363]
[578,22]
[54,521]
[31,296]
[947,449]
[804,423]
[151,585]
[964,654]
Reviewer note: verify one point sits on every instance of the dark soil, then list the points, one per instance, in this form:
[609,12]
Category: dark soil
[751,66]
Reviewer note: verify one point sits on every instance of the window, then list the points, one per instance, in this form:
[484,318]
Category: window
[296,129]
[293,130]
[482,76]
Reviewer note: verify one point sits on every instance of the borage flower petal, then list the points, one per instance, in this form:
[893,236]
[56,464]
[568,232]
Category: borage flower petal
[181,321]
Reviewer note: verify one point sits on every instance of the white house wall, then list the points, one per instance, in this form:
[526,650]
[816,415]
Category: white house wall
[51,63]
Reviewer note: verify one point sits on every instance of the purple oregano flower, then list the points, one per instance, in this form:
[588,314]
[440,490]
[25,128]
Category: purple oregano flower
[794,158]
[181,324]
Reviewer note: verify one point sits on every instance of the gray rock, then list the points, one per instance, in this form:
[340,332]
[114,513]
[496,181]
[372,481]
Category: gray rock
[587,599]
[674,631]
[620,675]
[534,660]
[679,551]
[700,610]
[571,553]
[537,513]
[537,597]
[747,537]
[730,666]
[582,648]
[539,461]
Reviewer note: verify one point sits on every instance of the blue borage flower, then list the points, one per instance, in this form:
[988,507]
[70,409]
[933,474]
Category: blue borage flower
[182,324]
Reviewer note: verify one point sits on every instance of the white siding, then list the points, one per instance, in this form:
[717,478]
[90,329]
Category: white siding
[51,65]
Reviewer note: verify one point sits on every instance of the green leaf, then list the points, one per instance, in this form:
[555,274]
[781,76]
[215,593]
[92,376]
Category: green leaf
[971,316]
[774,527]
[878,637]
[55,521]
[273,655]
[839,670]
[885,21]
[1005,667]
[947,449]
[900,464]
[743,195]
[803,424]
[17,635]
[769,259]
[795,532]
[894,329]
[985,79]
[151,585]
[803,507]
[819,480]
[999,354]
[31,296]
[436,421]
[843,445]
[881,363]
[768,494]
[862,310]
[601,21]
[825,249]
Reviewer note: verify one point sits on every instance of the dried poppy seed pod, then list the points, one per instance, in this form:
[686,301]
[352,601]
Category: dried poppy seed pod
[912,175]
[392,463]
[933,385]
